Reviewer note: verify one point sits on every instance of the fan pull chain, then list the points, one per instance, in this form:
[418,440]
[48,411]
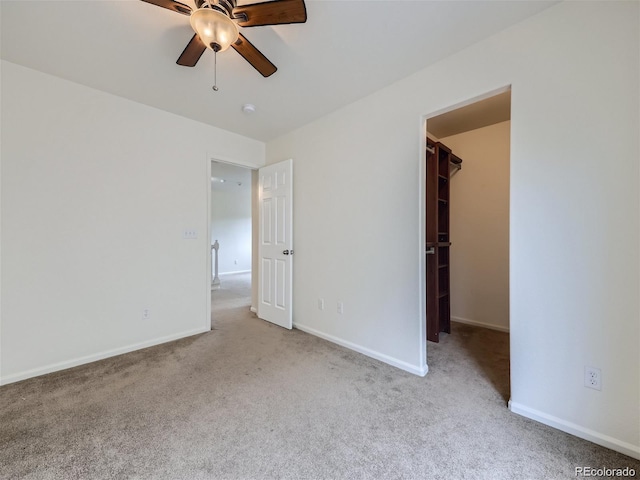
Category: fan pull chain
[215,71]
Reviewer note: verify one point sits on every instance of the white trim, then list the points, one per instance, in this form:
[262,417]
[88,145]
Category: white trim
[475,323]
[0,278]
[469,101]
[232,161]
[422,242]
[253,309]
[209,279]
[16,377]
[407,367]
[577,430]
[220,274]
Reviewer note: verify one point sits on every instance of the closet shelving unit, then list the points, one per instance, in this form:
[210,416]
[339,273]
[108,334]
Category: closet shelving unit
[441,164]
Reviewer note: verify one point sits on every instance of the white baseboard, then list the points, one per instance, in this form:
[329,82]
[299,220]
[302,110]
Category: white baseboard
[253,309]
[577,430]
[480,324]
[220,274]
[407,367]
[16,377]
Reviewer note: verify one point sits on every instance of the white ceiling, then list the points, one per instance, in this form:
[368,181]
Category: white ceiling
[235,178]
[345,51]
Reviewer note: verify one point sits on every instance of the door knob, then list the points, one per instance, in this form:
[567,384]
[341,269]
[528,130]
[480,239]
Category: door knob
[287,252]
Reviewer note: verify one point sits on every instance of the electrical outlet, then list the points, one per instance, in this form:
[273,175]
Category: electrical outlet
[321,304]
[340,308]
[592,378]
[146,314]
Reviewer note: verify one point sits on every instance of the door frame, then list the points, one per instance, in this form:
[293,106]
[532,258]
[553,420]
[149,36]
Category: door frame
[422,219]
[212,157]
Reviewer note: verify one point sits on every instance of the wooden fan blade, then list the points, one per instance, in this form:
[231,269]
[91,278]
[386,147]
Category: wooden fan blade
[252,55]
[192,53]
[171,5]
[271,13]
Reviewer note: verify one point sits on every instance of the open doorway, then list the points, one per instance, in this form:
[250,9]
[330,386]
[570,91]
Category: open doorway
[477,228]
[231,234]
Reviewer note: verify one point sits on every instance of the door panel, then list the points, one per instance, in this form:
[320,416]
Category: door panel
[266,221]
[281,301]
[266,282]
[275,243]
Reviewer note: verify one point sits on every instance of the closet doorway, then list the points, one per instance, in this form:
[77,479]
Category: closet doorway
[473,274]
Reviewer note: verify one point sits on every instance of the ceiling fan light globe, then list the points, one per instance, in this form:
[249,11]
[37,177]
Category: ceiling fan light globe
[214,28]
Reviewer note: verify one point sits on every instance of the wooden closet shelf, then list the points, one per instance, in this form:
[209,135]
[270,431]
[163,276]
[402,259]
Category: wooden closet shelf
[438,244]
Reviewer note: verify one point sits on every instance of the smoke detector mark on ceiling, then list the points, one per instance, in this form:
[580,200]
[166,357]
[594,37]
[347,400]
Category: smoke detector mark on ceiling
[249,108]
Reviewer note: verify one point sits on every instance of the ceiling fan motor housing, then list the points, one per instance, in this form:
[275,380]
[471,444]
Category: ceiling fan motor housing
[223,6]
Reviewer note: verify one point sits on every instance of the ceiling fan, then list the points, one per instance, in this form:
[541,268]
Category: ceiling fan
[216,25]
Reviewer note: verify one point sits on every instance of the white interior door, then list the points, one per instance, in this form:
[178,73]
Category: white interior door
[275,246]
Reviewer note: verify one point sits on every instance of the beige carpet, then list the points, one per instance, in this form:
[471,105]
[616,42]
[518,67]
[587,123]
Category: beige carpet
[250,400]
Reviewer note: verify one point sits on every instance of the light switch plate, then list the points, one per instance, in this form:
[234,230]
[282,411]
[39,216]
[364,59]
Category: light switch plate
[190,234]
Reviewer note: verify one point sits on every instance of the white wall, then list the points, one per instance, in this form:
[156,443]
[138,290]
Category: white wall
[96,193]
[231,226]
[574,242]
[479,225]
